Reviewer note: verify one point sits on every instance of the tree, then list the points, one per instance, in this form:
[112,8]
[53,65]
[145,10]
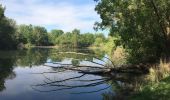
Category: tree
[40,35]
[75,39]
[54,34]
[25,33]
[57,33]
[75,33]
[86,39]
[65,40]
[100,35]
[99,39]
[98,42]
[143,25]
[7,31]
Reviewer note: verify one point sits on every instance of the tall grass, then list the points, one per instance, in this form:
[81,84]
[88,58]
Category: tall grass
[159,88]
[159,71]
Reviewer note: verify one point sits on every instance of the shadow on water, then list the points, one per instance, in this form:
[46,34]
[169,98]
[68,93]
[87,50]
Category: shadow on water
[117,87]
[11,59]
[6,71]
[109,87]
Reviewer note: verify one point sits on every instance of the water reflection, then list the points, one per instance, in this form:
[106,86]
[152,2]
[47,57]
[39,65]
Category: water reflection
[22,73]
[16,68]
[33,57]
[6,71]
[124,85]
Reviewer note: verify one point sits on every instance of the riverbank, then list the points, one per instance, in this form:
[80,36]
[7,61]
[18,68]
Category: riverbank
[56,47]
[157,91]
[158,87]
[53,47]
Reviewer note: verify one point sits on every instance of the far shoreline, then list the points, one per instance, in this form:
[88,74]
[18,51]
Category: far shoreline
[50,47]
[56,47]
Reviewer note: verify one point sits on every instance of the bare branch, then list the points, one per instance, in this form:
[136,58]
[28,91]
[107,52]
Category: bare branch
[93,91]
[60,80]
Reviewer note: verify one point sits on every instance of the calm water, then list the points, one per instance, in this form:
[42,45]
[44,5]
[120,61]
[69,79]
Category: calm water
[24,76]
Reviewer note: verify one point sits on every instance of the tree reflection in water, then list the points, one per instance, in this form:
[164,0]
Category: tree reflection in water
[117,85]
[31,58]
[23,58]
[75,62]
[122,84]
[6,71]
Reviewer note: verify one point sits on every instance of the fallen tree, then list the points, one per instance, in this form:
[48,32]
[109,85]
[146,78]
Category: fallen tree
[137,69]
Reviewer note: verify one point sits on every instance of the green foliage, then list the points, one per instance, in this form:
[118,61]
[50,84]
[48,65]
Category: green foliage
[75,62]
[143,26]
[75,33]
[40,36]
[99,40]
[65,40]
[7,31]
[24,33]
[86,39]
[35,35]
[57,33]
[158,83]
[75,39]
[157,91]
[110,44]
[29,35]
[69,39]
[6,71]
[53,35]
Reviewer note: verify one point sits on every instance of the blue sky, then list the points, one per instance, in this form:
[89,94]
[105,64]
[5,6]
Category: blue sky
[53,14]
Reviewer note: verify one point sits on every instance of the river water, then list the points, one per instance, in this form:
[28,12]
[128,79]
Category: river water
[25,76]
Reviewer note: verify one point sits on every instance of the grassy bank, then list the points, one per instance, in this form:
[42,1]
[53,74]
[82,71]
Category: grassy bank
[158,87]
[157,91]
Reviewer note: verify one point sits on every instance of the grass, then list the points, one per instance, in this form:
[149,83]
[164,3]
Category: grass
[159,72]
[159,86]
[157,91]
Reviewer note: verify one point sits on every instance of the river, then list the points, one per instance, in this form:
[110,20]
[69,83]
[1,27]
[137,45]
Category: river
[24,76]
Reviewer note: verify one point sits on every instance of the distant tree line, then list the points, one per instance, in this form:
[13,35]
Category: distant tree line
[29,34]
[12,35]
[38,36]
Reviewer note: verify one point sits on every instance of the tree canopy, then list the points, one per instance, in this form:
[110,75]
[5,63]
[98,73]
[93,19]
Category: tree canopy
[7,30]
[143,25]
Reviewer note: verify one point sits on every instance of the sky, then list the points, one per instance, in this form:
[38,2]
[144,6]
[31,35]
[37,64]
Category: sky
[53,14]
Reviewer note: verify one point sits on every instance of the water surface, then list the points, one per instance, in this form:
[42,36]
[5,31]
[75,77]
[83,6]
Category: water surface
[23,76]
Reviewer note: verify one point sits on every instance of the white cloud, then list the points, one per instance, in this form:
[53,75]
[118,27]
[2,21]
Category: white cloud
[62,15]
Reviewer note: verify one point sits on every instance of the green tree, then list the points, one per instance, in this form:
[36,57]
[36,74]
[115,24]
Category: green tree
[143,25]
[75,34]
[99,39]
[100,35]
[86,39]
[40,36]
[98,42]
[7,31]
[54,34]
[25,33]
[65,40]
[57,33]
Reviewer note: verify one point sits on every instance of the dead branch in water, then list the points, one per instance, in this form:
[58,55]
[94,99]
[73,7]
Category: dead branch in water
[60,84]
[105,70]
[101,69]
